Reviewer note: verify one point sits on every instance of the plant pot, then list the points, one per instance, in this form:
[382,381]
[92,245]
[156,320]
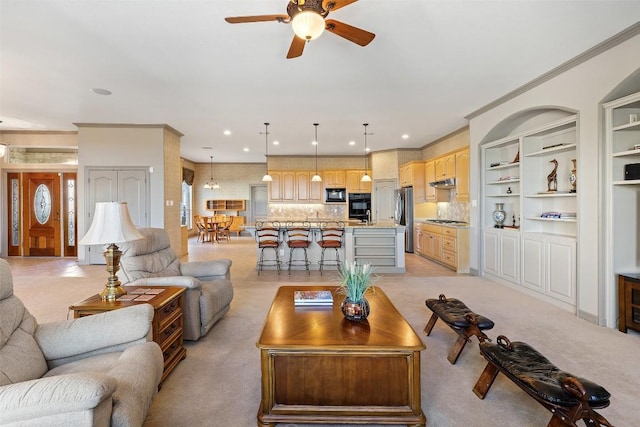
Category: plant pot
[355,310]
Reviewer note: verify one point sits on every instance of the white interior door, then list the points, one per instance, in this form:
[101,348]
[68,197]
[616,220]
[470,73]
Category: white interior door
[259,203]
[117,185]
[384,199]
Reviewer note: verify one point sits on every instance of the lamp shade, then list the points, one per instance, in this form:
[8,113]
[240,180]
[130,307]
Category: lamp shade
[111,224]
[3,149]
[308,25]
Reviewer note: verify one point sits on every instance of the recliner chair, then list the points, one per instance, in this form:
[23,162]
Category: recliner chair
[152,262]
[97,371]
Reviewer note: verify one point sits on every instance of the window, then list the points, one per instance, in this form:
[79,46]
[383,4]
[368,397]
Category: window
[186,206]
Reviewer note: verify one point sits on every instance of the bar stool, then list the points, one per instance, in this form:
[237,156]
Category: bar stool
[298,236]
[268,238]
[331,236]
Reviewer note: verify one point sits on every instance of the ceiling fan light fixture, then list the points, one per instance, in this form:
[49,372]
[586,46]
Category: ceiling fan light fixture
[308,24]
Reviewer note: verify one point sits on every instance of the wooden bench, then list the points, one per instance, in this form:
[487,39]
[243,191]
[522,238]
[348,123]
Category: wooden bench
[569,398]
[461,319]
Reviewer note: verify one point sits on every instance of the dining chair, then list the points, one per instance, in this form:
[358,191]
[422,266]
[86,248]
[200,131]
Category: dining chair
[223,230]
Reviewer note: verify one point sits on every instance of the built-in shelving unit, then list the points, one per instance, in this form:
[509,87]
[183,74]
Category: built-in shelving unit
[539,253]
[226,205]
[621,196]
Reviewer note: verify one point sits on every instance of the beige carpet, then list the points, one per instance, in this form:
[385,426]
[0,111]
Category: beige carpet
[218,384]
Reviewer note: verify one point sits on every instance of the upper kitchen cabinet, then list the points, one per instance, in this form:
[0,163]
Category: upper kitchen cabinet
[334,178]
[412,175]
[446,167]
[354,183]
[462,176]
[294,186]
[430,193]
[283,186]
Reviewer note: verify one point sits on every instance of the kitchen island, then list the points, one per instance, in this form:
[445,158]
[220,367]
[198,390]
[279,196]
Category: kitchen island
[381,245]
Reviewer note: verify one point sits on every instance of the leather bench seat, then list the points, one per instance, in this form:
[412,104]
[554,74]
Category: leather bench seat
[460,318]
[528,367]
[454,312]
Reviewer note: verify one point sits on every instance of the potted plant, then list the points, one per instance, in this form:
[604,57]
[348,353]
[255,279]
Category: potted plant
[357,281]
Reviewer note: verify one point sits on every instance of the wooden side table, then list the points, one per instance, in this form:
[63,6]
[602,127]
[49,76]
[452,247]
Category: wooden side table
[167,319]
[629,302]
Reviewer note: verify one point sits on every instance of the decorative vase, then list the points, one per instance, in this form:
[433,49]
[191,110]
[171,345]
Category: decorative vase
[499,215]
[572,177]
[355,310]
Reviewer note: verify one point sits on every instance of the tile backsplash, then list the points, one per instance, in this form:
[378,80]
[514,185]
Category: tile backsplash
[304,211]
[458,211]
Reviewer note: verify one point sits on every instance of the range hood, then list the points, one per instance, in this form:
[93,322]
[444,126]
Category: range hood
[445,183]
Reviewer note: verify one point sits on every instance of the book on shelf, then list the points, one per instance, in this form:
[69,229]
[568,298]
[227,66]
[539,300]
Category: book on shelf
[558,215]
[312,298]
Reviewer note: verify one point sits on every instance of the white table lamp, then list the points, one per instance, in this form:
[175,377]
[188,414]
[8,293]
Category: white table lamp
[111,224]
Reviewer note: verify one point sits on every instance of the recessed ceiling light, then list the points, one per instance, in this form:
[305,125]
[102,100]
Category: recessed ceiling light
[100,91]
[352,143]
[207,148]
[405,136]
[245,149]
[314,142]
[367,149]
[227,132]
[276,143]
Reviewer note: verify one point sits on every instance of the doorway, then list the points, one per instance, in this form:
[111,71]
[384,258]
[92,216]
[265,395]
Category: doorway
[41,214]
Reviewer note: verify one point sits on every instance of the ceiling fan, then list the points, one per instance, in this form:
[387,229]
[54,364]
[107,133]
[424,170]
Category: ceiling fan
[308,19]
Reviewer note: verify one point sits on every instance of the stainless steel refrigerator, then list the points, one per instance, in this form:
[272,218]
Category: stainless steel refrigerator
[404,215]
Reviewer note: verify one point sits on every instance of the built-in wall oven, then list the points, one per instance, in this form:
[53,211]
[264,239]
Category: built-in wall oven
[360,206]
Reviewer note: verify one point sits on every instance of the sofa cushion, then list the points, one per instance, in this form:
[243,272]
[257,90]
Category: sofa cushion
[21,357]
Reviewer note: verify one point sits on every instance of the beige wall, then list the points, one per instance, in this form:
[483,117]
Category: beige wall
[452,142]
[172,187]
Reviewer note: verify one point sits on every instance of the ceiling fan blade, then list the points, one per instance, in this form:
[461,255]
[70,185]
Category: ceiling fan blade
[259,18]
[349,32]
[296,48]
[331,5]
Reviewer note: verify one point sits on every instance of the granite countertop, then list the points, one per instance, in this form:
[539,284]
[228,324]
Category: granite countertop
[443,222]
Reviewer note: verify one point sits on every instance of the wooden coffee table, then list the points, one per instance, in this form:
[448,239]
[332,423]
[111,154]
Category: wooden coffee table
[318,367]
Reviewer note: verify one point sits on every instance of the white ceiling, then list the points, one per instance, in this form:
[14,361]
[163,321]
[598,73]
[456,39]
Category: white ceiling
[178,62]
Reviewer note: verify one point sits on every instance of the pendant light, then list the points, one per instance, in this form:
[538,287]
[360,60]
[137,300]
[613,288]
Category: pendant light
[212,185]
[266,177]
[316,177]
[365,177]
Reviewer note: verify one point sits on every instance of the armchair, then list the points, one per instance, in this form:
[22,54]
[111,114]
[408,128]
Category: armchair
[100,370]
[152,262]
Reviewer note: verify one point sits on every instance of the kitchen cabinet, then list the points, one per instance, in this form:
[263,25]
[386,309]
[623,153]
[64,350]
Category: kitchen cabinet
[354,185]
[284,186]
[334,178]
[462,175]
[446,167]
[430,193]
[446,245]
[412,175]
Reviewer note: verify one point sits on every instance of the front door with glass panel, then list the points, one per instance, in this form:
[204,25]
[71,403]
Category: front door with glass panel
[41,214]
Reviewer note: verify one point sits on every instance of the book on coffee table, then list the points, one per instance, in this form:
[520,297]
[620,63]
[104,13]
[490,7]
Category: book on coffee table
[312,298]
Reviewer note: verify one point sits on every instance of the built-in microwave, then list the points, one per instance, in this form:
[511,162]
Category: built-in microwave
[335,195]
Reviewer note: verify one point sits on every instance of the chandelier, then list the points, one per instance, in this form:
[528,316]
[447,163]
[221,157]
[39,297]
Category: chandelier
[212,184]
